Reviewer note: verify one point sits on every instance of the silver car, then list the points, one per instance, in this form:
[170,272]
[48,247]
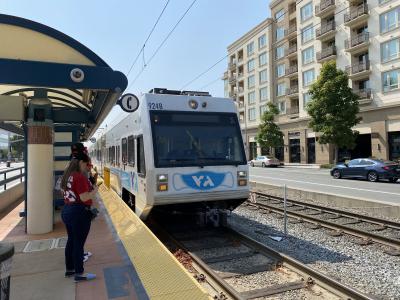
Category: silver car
[265,161]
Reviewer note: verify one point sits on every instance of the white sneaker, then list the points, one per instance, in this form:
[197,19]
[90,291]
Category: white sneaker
[86,256]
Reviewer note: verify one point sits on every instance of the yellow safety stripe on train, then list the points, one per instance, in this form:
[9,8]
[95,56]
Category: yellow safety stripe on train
[162,276]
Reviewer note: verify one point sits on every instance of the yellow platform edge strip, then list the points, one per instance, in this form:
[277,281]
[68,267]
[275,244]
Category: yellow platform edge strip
[162,276]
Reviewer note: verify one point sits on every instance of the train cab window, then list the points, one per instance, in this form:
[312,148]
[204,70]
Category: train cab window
[131,150]
[141,165]
[124,148]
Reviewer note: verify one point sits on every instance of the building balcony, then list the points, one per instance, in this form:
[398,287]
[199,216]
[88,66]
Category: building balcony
[291,71]
[225,76]
[291,51]
[356,15]
[326,54]
[232,79]
[293,91]
[326,32]
[241,105]
[240,76]
[358,43]
[325,8]
[232,65]
[241,90]
[240,61]
[291,32]
[365,96]
[294,110]
[358,70]
[232,94]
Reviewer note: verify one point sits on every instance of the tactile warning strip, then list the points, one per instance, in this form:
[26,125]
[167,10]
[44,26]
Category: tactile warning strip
[161,274]
[39,245]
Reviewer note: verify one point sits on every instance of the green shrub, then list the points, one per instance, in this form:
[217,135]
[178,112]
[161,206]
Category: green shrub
[326,166]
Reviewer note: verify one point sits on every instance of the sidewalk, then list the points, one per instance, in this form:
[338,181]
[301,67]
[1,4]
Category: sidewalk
[40,274]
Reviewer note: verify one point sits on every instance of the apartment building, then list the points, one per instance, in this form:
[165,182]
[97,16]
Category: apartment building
[363,37]
[248,79]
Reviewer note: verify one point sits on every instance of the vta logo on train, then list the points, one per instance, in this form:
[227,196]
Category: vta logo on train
[203,180]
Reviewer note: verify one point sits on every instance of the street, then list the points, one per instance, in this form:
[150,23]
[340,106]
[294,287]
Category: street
[319,180]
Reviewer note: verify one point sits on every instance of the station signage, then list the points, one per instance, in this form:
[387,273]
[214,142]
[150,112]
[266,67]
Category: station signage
[129,103]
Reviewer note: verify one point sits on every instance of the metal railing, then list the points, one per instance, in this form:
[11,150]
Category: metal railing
[363,93]
[358,67]
[328,27]
[292,29]
[290,50]
[328,51]
[291,70]
[292,90]
[232,65]
[5,181]
[356,40]
[356,12]
[324,5]
[293,110]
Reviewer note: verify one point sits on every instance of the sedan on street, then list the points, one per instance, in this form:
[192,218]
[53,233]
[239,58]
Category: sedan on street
[366,168]
[265,161]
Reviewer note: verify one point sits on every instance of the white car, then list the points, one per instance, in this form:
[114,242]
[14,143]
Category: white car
[265,161]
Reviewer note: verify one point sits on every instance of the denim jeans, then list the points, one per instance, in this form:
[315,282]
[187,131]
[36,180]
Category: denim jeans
[77,220]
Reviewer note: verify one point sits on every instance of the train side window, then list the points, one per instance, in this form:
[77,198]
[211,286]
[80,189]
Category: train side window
[118,156]
[124,148]
[131,150]
[141,164]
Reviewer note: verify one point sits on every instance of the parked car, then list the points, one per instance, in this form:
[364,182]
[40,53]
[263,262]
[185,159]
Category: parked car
[370,169]
[265,161]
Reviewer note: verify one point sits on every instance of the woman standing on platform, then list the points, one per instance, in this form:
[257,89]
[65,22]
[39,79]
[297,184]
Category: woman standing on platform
[76,215]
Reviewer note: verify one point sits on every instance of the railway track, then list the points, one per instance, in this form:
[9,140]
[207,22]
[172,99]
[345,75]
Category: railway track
[338,221]
[227,260]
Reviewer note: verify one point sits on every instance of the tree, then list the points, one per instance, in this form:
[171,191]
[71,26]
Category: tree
[333,108]
[269,134]
[17,145]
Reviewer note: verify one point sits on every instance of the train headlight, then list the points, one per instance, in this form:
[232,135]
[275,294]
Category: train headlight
[162,182]
[193,104]
[242,178]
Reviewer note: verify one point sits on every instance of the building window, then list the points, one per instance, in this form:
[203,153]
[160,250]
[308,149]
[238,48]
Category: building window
[282,107]
[263,94]
[306,99]
[279,52]
[262,59]
[280,15]
[263,76]
[250,65]
[390,20]
[262,41]
[307,34]
[308,55]
[308,77]
[250,49]
[280,89]
[251,98]
[251,81]
[280,70]
[306,12]
[280,33]
[252,114]
[263,109]
[390,50]
[391,80]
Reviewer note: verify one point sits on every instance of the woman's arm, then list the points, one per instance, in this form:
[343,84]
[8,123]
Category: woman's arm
[88,195]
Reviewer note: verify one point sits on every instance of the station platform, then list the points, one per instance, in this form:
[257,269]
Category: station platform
[129,261]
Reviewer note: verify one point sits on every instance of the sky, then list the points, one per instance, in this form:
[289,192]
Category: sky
[116,31]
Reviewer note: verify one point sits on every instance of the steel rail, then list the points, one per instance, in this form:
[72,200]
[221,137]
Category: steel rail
[377,221]
[227,289]
[334,226]
[320,279]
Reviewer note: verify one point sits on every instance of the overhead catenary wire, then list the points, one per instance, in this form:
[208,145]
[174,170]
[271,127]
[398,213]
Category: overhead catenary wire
[147,39]
[268,51]
[162,43]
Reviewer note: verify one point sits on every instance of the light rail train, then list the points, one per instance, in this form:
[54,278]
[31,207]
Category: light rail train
[179,152]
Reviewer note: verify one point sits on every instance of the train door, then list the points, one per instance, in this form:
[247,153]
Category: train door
[141,173]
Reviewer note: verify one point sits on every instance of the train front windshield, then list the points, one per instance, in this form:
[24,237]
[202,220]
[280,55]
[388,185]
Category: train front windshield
[183,139]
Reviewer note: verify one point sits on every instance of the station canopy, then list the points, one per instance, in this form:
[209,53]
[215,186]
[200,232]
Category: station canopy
[37,61]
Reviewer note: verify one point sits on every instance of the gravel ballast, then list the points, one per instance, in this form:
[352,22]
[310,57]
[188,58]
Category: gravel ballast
[366,268]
